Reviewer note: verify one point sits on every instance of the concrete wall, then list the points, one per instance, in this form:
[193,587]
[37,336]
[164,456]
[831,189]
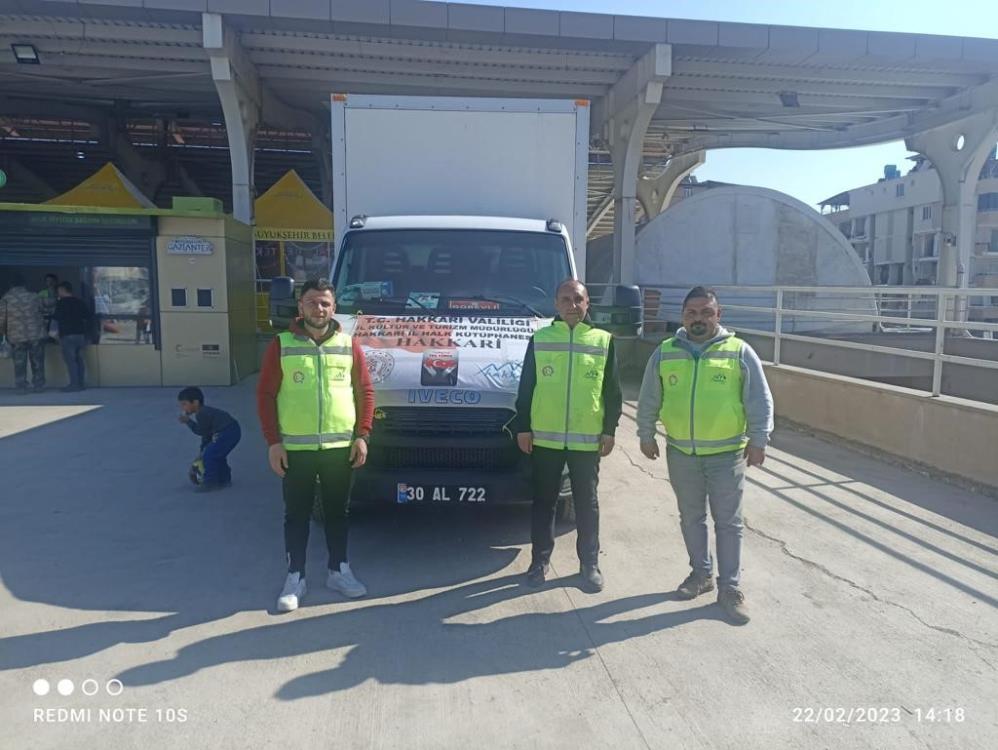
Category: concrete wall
[945,434]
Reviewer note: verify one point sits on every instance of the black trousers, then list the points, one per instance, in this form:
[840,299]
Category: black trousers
[583,470]
[333,469]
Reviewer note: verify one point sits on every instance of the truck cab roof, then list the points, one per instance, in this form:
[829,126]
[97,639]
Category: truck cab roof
[498,223]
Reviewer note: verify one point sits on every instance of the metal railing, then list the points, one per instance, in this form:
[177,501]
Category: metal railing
[912,309]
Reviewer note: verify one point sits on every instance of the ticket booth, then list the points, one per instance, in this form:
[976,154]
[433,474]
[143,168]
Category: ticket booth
[171,290]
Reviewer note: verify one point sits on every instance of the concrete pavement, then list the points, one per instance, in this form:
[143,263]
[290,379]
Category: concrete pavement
[870,587]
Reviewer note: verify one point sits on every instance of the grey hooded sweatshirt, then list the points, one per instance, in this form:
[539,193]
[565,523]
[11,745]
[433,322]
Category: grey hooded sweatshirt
[756,396]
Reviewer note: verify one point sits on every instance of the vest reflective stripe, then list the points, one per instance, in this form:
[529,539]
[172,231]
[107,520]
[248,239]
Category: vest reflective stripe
[565,347]
[567,406]
[315,405]
[310,439]
[558,437]
[703,443]
[297,351]
[702,409]
[720,355]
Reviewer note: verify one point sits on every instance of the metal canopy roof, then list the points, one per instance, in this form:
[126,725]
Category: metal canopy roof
[731,85]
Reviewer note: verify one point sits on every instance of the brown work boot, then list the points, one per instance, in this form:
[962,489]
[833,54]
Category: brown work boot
[694,585]
[732,601]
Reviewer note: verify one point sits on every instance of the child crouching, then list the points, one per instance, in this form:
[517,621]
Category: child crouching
[219,432]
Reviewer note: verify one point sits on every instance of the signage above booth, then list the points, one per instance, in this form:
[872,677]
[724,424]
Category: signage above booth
[190,246]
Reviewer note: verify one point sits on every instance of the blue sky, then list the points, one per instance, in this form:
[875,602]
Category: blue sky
[809,175]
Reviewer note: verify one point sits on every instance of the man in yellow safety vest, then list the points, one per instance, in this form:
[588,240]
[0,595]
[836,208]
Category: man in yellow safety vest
[708,389]
[316,405]
[567,409]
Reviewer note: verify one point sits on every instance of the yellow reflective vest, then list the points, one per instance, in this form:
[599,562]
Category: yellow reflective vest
[567,406]
[702,409]
[315,404]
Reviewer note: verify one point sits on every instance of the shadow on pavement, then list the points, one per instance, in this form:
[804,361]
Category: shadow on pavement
[413,643]
[98,516]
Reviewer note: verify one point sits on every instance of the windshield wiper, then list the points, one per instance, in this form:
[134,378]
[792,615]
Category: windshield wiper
[504,300]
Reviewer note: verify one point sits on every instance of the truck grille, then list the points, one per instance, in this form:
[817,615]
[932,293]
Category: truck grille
[436,457]
[411,420]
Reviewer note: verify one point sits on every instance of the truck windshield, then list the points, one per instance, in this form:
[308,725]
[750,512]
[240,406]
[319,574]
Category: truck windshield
[451,270]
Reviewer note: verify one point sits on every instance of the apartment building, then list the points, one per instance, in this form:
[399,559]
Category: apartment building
[895,227]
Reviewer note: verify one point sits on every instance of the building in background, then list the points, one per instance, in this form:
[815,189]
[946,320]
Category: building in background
[894,225]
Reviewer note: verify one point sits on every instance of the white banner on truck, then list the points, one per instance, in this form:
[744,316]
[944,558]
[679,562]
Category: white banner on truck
[441,360]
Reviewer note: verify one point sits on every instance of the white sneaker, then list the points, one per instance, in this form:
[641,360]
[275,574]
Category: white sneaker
[292,593]
[345,582]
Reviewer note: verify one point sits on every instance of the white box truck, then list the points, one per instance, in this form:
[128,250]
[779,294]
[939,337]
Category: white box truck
[455,221]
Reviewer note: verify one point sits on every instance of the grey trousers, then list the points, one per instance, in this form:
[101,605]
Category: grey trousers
[718,480]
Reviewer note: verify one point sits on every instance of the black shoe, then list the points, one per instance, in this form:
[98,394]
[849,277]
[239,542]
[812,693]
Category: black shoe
[39,389]
[537,574]
[592,578]
[694,585]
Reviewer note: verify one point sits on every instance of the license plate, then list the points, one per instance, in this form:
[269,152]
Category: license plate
[439,493]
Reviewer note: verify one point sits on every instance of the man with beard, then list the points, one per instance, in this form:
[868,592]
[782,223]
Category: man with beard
[316,406]
[709,390]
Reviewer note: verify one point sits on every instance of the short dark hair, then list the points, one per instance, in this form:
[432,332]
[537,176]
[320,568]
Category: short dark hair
[65,285]
[699,292]
[568,281]
[318,284]
[51,276]
[191,393]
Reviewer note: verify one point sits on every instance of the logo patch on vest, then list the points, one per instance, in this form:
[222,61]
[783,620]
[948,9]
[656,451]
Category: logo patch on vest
[592,375]
[337,372]
[547,371]
[720,378]
[298,376]
[673,379]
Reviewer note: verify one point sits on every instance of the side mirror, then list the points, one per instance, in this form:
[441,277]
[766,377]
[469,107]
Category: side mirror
[282,303]
[624,314]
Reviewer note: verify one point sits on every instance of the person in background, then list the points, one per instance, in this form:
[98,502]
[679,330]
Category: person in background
[143,325]
[22,321]
[73,317]
[219,432]
[49,296]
